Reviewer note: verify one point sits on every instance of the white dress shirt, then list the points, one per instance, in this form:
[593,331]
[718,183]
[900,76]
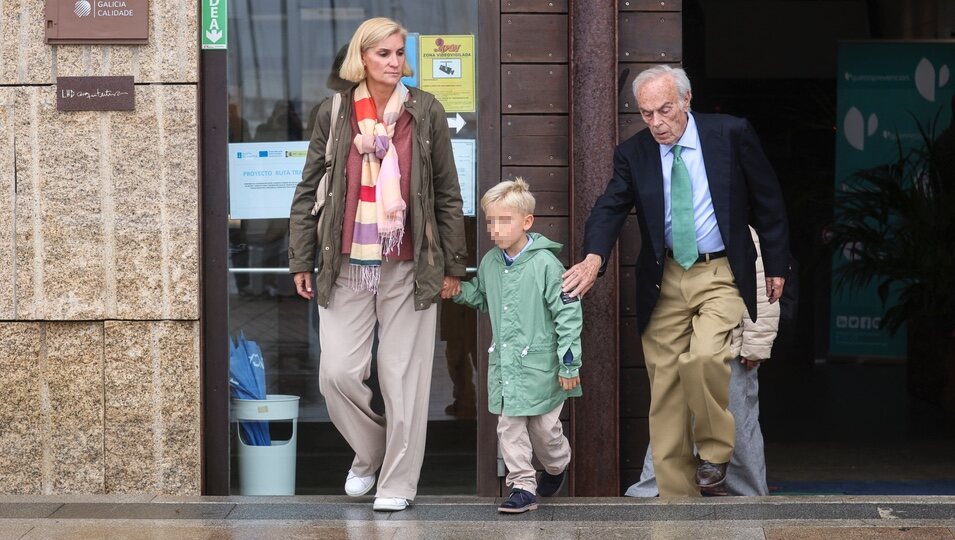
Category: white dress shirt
[708,237]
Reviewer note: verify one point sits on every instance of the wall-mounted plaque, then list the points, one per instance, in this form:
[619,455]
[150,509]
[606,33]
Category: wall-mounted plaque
[95,94]
[123,22]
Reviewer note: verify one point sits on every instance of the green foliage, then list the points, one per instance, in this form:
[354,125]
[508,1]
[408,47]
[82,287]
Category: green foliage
[897,224]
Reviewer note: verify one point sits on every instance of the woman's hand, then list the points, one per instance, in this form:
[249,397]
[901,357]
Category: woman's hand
[303,285]
[451,287]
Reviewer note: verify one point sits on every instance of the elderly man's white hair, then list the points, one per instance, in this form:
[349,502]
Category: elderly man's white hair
[679,76]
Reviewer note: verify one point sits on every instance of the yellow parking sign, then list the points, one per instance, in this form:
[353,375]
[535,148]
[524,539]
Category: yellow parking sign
[446,69]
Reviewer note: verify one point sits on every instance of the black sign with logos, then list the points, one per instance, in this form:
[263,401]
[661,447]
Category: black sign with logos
[95,94]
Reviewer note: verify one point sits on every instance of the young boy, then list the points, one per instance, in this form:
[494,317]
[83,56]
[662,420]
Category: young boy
[534,360]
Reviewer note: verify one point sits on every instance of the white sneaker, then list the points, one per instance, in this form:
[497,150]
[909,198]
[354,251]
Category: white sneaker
[356,486]
[390,504]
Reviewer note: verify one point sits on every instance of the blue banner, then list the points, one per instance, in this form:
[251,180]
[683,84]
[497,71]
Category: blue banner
[885,90]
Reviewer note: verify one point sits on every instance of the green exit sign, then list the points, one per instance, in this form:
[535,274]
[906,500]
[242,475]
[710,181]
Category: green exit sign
[214,24]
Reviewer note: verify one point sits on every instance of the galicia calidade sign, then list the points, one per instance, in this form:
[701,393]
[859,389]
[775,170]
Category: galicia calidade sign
[122,22]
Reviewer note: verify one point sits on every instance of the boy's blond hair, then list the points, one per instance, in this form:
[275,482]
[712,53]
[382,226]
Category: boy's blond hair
[514,194]
[369,34]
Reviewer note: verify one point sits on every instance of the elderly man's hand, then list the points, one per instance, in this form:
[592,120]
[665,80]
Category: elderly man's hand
[774,288]
[581,276]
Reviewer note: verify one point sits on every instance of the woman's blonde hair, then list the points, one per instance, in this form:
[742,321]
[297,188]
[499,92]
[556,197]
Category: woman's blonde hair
[514,194]
[369,34]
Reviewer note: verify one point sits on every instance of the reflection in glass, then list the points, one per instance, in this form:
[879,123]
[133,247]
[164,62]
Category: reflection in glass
[283,57]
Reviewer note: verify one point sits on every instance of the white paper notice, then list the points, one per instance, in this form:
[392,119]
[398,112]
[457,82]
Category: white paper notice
[465,160]
[262,178]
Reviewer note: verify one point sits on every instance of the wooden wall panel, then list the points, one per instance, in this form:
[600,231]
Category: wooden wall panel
[534,6]
[534,88]
[533,38]
[634,438]
[534,150]
[550,203]
[540,178]
[534,140]
[628,125]
[534,125]
[555,228]
[631,351]
[630,241]
[650,37]
[628,292]
[649,32]
[634,393]
[651,5]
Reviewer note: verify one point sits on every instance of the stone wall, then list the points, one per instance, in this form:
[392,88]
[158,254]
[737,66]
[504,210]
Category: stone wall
[99,264]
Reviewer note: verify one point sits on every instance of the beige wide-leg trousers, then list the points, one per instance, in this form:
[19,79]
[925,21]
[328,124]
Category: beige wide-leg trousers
[687,351]
[523,437]
[394,443]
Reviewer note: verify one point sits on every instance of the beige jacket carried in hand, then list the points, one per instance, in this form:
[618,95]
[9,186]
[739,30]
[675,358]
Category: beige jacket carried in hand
[754,340]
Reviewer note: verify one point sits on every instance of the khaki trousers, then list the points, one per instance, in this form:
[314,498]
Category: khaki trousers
[523,437]
[394,443]
[687,351]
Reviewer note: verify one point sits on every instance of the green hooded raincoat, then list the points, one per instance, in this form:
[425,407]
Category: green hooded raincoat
[534,325]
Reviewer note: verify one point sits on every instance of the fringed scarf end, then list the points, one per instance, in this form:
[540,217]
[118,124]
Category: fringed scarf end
[365,278]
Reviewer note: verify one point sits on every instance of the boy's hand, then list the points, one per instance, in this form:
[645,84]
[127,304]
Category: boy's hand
[750,364]
[569,384]
[451,287]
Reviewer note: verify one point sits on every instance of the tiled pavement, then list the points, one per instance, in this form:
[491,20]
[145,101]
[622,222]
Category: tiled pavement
[773,518]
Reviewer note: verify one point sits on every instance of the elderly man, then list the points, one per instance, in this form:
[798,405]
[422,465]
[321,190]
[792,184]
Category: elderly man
[697,181]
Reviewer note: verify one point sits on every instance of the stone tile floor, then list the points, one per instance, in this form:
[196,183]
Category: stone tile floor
[772,518]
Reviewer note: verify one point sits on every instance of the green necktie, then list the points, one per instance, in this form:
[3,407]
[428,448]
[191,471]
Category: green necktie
[682,226]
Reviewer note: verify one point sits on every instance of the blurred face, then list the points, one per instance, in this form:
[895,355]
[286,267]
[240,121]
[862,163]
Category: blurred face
[384,61]
[663,110]
[507,227]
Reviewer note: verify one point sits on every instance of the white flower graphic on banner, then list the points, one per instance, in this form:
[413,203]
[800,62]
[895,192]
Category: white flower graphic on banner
[926,80]
[856,129]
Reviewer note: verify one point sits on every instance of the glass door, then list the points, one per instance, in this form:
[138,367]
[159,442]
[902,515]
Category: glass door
[282,57]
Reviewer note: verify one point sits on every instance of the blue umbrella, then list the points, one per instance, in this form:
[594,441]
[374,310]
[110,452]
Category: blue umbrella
[246,383]
[257,363]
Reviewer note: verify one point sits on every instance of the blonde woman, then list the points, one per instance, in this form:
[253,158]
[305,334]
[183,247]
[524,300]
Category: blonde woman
[391,241]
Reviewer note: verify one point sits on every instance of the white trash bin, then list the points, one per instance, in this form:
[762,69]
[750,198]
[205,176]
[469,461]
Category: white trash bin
[267,470]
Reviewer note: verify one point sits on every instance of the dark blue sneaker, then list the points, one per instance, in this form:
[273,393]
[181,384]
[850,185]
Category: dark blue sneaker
[550,484]
[519,502]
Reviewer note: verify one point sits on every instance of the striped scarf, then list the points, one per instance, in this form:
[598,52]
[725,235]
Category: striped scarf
[380,220]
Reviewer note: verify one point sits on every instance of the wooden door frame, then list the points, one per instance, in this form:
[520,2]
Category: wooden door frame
[488,174]
[213,190]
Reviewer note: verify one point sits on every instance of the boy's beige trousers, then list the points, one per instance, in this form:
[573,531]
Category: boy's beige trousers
[523,437]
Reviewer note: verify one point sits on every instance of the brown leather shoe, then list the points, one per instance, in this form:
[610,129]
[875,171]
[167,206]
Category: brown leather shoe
[710,475]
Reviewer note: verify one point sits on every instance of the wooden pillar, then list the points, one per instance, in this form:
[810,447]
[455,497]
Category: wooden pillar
[593,135]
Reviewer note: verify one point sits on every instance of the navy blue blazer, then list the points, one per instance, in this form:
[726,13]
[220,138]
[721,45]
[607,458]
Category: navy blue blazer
[744,190]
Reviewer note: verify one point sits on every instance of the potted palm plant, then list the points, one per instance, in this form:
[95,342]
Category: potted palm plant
[896,225]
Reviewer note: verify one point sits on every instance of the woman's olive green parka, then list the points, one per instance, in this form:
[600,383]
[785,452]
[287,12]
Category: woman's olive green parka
[435,209]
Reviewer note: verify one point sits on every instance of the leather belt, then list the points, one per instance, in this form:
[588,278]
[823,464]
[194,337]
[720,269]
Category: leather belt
[704,257]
